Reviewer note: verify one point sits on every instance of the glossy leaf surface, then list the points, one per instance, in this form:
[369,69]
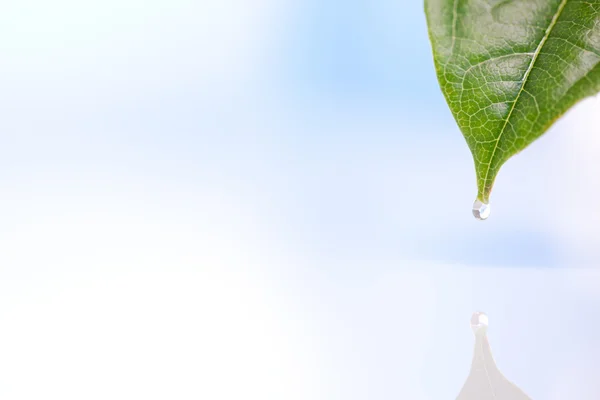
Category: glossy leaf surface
[510,68]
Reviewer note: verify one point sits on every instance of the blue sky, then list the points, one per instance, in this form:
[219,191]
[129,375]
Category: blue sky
[279,187]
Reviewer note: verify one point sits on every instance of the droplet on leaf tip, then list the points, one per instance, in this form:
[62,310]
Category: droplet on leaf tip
[479,320]
[481,210]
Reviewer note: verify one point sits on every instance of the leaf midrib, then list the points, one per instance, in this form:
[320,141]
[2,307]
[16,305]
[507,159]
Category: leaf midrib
[537,52]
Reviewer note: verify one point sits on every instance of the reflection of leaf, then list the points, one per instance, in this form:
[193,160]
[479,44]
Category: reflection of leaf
[510,68]
[485,380]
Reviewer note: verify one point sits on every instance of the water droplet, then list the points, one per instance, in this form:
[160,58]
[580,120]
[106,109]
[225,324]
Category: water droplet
[481,210]
[479,320]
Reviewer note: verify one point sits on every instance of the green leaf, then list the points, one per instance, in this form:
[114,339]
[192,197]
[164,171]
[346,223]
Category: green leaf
[510,68]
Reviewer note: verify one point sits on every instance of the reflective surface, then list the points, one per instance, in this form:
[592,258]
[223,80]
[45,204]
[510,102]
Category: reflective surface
[485,381]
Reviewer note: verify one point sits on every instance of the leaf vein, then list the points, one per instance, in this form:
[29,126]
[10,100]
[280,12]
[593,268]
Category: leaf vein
[537,52]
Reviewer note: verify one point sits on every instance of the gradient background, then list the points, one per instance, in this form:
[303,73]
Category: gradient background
[269,199]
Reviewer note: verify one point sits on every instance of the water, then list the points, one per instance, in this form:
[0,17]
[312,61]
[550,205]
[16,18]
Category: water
[481,210]
[479,320]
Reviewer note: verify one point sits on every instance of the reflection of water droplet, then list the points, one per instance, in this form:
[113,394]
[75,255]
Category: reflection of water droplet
[479,320]
[481,210]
